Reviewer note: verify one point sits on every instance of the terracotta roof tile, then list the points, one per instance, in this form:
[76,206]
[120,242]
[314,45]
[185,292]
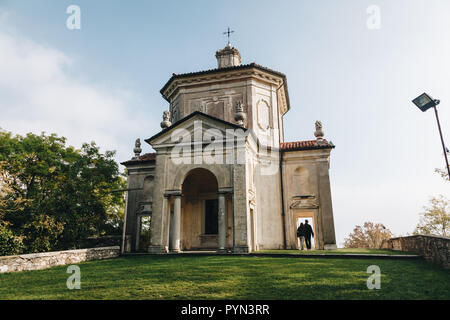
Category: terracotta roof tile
[147,157]
[305,145]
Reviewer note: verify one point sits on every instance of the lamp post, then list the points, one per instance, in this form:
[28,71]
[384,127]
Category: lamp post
[425,102]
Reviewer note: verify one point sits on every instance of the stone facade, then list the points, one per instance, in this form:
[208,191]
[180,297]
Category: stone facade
[432,248]
[44,260]
[253,189]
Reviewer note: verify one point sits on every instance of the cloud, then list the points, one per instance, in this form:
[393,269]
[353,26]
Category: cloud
[39,94]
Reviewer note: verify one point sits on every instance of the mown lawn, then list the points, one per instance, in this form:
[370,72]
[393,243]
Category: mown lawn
[339,251]
[231,277]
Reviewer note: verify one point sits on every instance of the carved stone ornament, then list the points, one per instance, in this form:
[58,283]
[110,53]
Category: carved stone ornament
[166,120]
[240,115]
[202,107]
[137,148]
[263,111]
[304,202]
[319,132]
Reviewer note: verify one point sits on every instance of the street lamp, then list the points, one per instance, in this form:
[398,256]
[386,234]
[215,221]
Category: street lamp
[425,102]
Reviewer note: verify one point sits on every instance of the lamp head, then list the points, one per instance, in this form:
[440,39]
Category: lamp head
[425,102]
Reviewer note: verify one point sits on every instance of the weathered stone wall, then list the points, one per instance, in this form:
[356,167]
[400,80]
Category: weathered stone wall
[432,248]
[307,194]
[37,261]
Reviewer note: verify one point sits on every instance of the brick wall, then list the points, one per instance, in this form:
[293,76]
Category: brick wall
[432,248]
[36,261]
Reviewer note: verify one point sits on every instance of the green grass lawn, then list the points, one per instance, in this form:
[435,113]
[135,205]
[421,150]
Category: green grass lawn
[339,251]
[231,277]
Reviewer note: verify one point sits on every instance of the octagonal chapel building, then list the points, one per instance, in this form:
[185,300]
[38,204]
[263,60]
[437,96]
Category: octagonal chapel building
[222,177]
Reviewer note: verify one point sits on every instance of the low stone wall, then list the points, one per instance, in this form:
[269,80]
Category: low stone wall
[37,261]
[432,248]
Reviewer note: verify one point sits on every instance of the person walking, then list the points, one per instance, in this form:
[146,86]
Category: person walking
[301,235]
[308,232]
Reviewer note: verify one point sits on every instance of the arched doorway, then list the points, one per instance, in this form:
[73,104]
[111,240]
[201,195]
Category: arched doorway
[199,210]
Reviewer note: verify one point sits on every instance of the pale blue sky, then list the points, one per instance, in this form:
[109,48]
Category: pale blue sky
[359,82]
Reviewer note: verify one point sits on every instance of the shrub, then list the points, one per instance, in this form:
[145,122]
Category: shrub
[9,243]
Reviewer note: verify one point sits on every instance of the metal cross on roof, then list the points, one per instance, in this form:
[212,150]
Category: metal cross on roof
[228,32]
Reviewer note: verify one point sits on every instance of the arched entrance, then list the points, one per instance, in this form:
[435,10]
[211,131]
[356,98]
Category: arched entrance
[199,211]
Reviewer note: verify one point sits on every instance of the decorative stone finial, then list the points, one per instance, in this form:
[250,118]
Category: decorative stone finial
[137,148]
[319,132]
[240,115]
[166,120]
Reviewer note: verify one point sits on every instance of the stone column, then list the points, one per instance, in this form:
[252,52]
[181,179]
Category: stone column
[166,224]
[175,238]
[222,222]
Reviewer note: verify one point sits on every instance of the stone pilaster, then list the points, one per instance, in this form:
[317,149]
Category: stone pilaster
[157,222]
[326,207]
[222,222]
[240,209]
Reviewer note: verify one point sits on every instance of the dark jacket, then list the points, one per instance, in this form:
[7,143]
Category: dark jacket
[301,231]
[308,231]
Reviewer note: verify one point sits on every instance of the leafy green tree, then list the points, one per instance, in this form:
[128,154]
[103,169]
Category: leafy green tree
[54,195]
[435,220]
[9,243]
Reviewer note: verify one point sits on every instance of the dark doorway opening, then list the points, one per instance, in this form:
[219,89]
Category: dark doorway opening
[211,216]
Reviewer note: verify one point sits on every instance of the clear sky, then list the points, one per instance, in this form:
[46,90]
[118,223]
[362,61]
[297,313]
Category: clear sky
[102,82]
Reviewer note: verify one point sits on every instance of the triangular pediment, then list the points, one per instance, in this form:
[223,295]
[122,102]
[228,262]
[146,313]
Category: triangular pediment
[196,127]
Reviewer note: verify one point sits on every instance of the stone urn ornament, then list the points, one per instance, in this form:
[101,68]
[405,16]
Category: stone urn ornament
[137,148]
[166,120]
[319,133]
[240,115]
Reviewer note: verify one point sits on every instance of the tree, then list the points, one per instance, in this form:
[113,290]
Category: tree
[443,173]
[435,220]
[9,243]
[53,195]
[370,235]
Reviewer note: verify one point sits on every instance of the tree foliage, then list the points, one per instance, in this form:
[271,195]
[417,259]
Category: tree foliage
[435,220]
[53,195]
[443,173]
[9,243]
[370,236]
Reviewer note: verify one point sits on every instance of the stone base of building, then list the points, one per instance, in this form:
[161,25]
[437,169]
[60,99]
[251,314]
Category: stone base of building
[330,247]
[241,249]
[157,249]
